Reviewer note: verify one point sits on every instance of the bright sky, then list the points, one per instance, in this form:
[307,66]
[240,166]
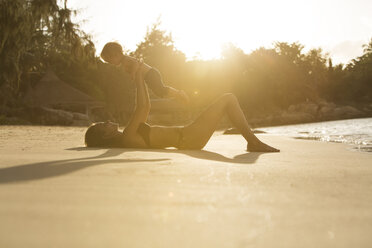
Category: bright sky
[201,27]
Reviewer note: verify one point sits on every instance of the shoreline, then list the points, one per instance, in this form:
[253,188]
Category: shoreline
[227,130]
[353,132]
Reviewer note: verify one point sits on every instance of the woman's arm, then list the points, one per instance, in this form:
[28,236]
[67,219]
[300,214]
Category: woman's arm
[142,108]
[143,99]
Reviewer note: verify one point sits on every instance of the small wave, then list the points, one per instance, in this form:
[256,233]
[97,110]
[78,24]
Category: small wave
[308,138]
[357,132]
[363,148]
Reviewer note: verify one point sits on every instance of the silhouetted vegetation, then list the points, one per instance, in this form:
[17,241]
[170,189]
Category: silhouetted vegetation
[38,35]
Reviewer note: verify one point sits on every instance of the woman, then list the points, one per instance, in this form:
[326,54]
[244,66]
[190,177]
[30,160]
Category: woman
[138,134]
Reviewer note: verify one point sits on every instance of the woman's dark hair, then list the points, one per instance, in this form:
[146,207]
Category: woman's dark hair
[95,137]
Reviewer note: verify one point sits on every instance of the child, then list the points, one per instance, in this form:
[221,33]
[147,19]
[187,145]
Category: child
[112,53]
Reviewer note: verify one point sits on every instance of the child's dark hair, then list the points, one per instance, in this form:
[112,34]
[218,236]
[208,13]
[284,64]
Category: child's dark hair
[110,49]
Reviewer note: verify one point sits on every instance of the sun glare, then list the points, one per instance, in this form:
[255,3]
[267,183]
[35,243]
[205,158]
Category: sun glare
[200,28]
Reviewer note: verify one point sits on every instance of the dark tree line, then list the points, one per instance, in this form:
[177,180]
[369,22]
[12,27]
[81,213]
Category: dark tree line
[266,80]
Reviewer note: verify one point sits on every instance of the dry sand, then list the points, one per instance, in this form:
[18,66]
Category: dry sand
[56,193]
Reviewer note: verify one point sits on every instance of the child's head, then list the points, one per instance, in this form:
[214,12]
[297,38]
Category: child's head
[112,53]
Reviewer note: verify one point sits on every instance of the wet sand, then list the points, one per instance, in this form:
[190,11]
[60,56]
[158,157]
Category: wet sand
[56,193]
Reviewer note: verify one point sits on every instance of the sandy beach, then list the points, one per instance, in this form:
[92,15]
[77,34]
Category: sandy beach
[54,192]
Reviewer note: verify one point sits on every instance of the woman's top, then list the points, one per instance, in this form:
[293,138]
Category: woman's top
[173,136]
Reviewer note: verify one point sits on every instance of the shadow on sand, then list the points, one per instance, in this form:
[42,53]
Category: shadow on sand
[48,169]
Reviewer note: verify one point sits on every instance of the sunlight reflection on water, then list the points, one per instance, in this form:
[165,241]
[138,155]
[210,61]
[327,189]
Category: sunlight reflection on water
[357,132]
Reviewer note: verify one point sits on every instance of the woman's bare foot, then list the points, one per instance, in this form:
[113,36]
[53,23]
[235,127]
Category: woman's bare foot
[260,147]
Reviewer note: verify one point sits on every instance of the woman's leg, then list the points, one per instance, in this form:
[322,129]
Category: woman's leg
[197,134]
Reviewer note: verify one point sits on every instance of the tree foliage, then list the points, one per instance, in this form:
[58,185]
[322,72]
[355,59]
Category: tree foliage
[37,35]
[158,50]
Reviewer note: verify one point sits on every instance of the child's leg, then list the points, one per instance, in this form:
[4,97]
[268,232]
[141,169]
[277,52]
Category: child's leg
[154,81]
[197,134]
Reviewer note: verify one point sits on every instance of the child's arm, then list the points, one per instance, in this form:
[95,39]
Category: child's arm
[131,65]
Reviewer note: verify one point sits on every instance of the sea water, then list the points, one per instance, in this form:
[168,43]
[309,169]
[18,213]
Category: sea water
[356,132]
